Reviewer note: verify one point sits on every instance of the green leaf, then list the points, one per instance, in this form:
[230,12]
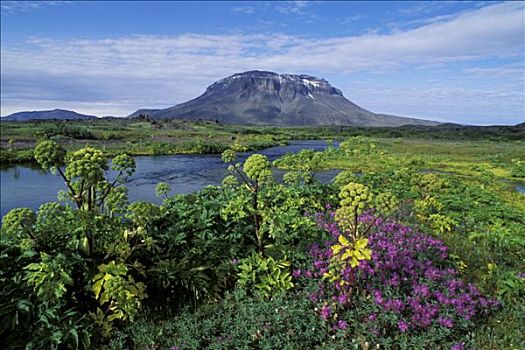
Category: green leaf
[97,287]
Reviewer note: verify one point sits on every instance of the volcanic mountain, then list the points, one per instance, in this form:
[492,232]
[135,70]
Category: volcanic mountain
[60,114]
[267,98]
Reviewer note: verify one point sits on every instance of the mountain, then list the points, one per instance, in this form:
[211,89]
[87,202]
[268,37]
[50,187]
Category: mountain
[60,114]
[267,98]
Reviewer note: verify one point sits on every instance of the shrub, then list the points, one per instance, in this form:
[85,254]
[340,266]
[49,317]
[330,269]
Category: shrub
[76,132]
[58,251]
[518,168]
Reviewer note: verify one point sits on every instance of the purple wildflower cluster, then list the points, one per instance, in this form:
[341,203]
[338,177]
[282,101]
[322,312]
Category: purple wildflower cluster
[408,280]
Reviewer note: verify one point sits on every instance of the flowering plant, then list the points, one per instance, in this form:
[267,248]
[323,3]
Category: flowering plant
[407,286]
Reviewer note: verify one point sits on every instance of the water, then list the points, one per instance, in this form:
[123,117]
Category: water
[27,186]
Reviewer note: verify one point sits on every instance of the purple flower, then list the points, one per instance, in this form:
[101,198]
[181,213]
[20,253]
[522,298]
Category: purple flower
[421,290]
[341,324]
[174,347]
[395,305]
[325,312]
[454,285]
[458,346]
[432,274]
[406,274]
[342,299]
[394,280]
[446,322]
[318,264]
[378,297]
[296,273]
[403,326]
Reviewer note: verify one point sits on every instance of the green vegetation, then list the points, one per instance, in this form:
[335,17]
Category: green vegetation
[135,137]
[415,244]
[141,136]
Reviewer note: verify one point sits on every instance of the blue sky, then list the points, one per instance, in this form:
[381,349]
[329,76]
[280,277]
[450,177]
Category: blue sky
[448,61]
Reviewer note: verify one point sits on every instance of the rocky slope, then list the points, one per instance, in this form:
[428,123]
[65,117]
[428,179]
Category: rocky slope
[267,98]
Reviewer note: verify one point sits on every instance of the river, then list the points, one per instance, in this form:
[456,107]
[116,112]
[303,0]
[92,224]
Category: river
[27,186]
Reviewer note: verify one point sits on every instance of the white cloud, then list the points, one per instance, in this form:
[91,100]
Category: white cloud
[514,72]
[352,19]
[291,7]
[247,10]
[160,70]
[27,6]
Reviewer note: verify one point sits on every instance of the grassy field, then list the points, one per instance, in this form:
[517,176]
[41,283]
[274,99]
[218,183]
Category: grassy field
[130,136]
[144,137]
[466,158]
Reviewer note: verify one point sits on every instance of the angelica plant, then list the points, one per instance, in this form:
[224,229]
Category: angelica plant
[84,173]
[356,199]
[352,244]
[253,175]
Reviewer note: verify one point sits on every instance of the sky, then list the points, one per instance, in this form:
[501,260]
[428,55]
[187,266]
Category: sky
[457,61]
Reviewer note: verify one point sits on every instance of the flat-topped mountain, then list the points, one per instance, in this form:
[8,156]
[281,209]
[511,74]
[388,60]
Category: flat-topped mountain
[267,98]
[60,114]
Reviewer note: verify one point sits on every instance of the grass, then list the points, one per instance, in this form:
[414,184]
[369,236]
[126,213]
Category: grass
[134,138]
[463,158]
[143,137]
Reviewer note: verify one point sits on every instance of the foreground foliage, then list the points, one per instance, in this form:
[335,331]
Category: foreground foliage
[390,253]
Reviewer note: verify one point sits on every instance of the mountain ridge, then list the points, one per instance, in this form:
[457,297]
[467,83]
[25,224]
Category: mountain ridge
[59,114]
[268,98]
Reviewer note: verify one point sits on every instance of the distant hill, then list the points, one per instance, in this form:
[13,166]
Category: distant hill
[267,98]
[59,114]
[473,132]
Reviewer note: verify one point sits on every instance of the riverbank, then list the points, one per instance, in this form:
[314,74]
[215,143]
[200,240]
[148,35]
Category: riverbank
[169,137]
[140,148]
[471,159]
